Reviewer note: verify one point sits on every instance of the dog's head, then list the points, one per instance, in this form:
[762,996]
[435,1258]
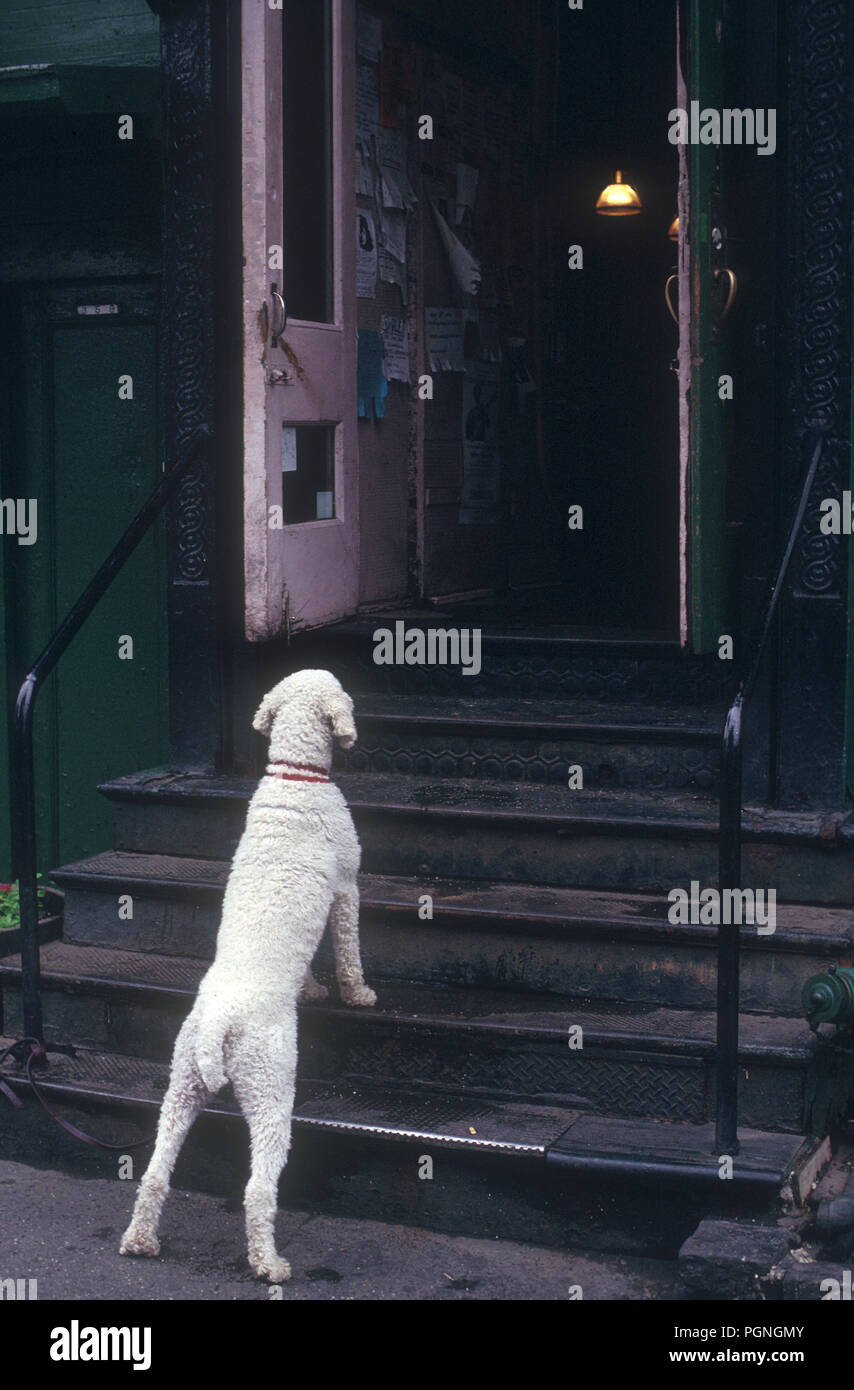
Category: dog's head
[304,713]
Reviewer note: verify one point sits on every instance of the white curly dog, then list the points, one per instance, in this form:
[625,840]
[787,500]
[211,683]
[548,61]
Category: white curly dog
[294,869]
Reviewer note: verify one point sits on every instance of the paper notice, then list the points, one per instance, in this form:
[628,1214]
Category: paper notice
[393,233]
[395,348]
[369,35]
[443,333]
[481,465]
[466,194]
[371,385]
[397,191]
[367,106]
[365,173]
[393,272]
[366,255]
[465,268]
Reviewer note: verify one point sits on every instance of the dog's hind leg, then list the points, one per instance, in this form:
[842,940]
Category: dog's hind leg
[311,988]
[184,1099]
[263,1067]
[344,930]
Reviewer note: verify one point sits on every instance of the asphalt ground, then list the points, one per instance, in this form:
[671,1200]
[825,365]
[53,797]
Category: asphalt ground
[64,1232]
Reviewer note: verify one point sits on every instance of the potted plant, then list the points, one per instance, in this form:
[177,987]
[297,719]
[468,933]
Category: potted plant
[50,916]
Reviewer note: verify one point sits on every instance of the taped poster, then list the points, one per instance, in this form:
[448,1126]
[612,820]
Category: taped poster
[371,385]
[366,255]
[367,107]
[393,233]
[464,266]
[395,348]
[443,334]
[481,493]
[466,193]
[393,272]
[369,35]
[395,189]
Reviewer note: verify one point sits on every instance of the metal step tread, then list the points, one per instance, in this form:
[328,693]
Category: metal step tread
[545,719]
[560,638]
[623,811]
[606,1143]
[474,902]
[562,1136]
[452,1121]
[435,1009]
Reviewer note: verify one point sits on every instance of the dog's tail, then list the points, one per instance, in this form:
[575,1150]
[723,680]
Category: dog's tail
[209,1048]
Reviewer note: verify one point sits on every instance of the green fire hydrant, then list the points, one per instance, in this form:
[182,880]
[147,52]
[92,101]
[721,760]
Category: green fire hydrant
[829,997]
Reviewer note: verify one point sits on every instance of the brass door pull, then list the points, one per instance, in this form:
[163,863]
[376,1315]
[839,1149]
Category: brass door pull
[732,291]
[671,280]
[277,332]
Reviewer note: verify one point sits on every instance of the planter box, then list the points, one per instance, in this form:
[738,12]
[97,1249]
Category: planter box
[50,927]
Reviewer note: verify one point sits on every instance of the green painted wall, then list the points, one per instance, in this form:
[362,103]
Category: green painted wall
[111,32]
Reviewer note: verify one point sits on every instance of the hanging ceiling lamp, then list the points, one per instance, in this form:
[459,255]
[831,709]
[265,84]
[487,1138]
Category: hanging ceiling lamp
[673,229]
[618,199]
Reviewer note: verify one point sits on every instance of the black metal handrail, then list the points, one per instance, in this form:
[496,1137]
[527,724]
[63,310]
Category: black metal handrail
[24,807]
[729,832]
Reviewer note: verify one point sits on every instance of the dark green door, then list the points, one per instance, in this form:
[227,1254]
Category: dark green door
[82,423]
[711,287]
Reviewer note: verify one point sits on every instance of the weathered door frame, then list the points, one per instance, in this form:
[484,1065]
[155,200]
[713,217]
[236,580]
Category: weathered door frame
[305,575]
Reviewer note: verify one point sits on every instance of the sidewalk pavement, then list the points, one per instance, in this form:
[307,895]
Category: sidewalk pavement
[64,1232]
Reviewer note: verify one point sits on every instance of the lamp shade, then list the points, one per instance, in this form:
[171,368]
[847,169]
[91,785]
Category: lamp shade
[618,199]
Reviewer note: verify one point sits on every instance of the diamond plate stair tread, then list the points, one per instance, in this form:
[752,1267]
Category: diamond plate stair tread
[624,811]
[445,1119]
[396,1114]
[473,1011]
[558,636]
[89,966]
[496,903]
[472,1123]
[550,717]
[609,1137]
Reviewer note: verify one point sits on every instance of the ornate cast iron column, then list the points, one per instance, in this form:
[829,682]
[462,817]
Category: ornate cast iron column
[816,380]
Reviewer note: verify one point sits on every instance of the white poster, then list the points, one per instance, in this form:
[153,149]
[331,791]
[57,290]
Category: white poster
[367,106]
[393,272]
[481,472]
[395,348]
[369,35]
[366,255]
[443,332]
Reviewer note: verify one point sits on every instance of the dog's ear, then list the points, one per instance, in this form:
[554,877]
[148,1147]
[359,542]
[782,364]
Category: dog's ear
[339,707]
[268,709]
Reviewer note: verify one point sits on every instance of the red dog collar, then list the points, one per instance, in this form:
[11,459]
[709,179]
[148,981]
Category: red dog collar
[298,772]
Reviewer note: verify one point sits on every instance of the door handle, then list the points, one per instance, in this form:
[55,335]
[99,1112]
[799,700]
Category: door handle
[732,291]
[277,332]
[671,280]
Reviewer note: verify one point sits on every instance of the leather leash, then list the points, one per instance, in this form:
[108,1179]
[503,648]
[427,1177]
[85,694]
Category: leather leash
[37,1051]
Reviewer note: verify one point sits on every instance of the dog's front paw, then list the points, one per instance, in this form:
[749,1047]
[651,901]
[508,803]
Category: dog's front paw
[360,996]
[276,1271]
[139,1243]
[313,993]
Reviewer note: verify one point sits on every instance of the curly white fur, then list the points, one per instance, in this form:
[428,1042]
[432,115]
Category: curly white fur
[294,869]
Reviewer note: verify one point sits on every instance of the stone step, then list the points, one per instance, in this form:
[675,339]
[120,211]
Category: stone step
[628,840]
[499,935]
[516,664]
[611,1057]
[503,1169]
[537,741]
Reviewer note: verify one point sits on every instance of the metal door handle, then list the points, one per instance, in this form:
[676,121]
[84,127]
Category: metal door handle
[732,291]
[671,280]
[277,332]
